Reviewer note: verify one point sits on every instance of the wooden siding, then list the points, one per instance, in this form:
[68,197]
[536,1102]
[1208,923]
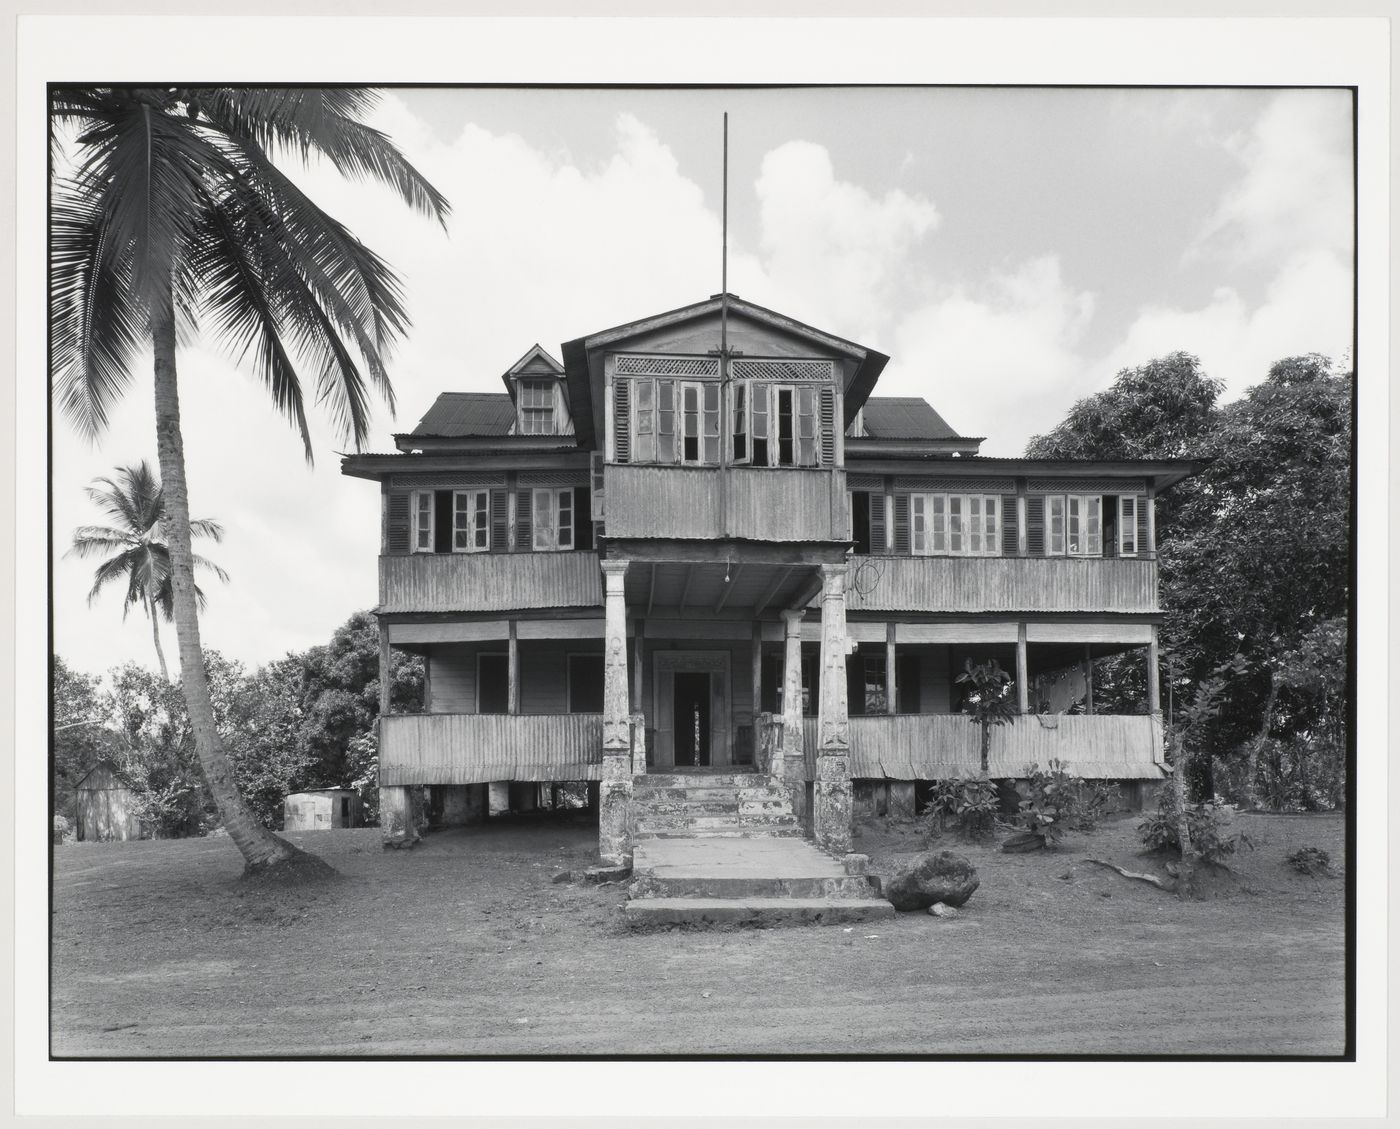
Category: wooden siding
[459,582]
[1003,584]
[937,746]
[455,748]
[766,504]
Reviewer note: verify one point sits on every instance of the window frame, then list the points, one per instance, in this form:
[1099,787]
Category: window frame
[546,388]
[939,511]
[1127,525]
[476,531]
[418,528]
[1073,515]
[557,532]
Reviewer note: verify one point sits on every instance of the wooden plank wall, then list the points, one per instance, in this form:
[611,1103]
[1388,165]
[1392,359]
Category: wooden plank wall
[479,748]
[453,582]
[543,674]
[1005,584]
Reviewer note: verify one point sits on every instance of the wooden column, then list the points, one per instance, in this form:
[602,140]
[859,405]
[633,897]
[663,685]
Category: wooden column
[384,668]
[891,690]
[638,630]
[831,793]
[1152,517]
[512,671]
[1154,686]
[1088,679]
[1023,690]
[614,839]
[756,656]
[789,763]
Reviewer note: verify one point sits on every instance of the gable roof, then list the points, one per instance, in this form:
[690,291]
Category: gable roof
[536,362]
[904,417]
[455,414]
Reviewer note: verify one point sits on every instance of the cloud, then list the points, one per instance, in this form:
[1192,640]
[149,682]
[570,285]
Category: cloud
[835,247]
[1294,196]
[996,357]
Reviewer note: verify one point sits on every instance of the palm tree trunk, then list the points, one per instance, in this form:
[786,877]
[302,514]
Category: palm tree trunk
[261,849]
[153,612]
[1186,875]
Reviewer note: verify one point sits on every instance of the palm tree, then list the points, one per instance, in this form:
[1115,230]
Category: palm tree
[140,555]
[176,218]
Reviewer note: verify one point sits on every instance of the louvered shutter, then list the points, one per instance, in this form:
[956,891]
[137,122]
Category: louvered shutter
[500,534]
[622,420]
[826,424]
[397,523]
[1035,526]
[583,519]
[1142,504]
[1009,532]
[877,524]
[524,523]
[901,524]
[595,468]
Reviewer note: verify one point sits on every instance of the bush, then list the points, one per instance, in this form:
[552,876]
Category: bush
[1057,802]
[1208,823]
[968,805]
[1312,861]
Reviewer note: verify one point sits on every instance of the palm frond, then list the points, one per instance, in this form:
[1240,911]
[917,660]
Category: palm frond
[206,563]
[120,567]
[325,121]
[206,527]
[98,540]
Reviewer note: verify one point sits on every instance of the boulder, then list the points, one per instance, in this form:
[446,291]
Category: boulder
[939,876]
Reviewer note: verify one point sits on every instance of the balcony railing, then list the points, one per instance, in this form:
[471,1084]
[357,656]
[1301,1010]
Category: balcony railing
[767,504]
[457,748]
[938,746]
[485,582]
[1002,584]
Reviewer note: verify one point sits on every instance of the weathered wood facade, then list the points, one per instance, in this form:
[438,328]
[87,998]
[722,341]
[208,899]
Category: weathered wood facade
[699,542]
[106,806]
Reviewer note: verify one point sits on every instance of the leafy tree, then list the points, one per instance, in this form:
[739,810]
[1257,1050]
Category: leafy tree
[139,554]
[80,734]
[987,699]
[177,217]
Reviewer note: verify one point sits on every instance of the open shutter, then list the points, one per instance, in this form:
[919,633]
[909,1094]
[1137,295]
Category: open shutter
[397,523]
[583,519]
[877,523]
[500,534]
[1009,532]
[595,474]
[622,420]
[1142,504]
[901,524]
[524,522]
[1035,526]
[826,425]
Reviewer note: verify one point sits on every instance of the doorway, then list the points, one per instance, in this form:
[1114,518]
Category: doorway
[691,718]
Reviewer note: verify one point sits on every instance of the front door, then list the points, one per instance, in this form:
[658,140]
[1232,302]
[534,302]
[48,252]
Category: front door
[691,718]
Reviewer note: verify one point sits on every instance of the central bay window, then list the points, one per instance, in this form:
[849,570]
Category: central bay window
[552,519]
[954,525]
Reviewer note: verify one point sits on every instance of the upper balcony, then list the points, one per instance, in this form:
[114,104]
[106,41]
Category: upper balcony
[488,582]
[1003,584]
[707,503]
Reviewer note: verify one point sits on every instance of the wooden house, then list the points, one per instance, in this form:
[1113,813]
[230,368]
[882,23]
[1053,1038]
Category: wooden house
[322,809]
[701,544]
[106,805]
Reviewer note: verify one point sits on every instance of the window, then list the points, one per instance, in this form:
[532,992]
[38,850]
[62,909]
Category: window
[1075,525]
[536,407]
[960,525]
[775,424]
[471,521]
[866,692]
[585,683]
[553,519]
[1127,525]
[493,683]
[422,521]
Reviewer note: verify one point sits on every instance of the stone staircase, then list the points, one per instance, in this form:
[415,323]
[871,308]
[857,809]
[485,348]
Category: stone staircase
[726,849]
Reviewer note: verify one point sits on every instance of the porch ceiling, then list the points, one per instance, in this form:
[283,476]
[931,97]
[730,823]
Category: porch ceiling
[709,588]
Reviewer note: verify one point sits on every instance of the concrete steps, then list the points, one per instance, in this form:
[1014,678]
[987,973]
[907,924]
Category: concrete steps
[700,912]
[710,805]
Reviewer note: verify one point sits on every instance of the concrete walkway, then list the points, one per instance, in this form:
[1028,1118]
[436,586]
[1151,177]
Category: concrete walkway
[756,858]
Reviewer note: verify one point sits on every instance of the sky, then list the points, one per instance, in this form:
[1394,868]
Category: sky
[1010,249]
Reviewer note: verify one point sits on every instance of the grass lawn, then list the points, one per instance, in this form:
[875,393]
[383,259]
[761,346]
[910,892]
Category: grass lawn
[467,946]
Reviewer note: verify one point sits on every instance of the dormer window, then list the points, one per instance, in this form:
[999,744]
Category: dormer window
[536,403]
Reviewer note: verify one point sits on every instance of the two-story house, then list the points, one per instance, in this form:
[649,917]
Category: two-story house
[701,544]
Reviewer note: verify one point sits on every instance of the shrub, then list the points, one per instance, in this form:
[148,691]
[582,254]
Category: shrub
[969,805]
[1312,861]
[1057,802]
[1208,823]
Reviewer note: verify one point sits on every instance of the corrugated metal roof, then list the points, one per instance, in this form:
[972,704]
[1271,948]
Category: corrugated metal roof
[468,413]
[904,417]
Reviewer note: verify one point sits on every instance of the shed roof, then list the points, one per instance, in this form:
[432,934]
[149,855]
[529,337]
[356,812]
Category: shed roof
[107,773]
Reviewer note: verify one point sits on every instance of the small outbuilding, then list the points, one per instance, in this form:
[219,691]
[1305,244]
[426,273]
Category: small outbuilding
[107,805]
[322,809]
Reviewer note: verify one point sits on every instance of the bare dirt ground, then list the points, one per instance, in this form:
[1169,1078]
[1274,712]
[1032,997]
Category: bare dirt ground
[467,946]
